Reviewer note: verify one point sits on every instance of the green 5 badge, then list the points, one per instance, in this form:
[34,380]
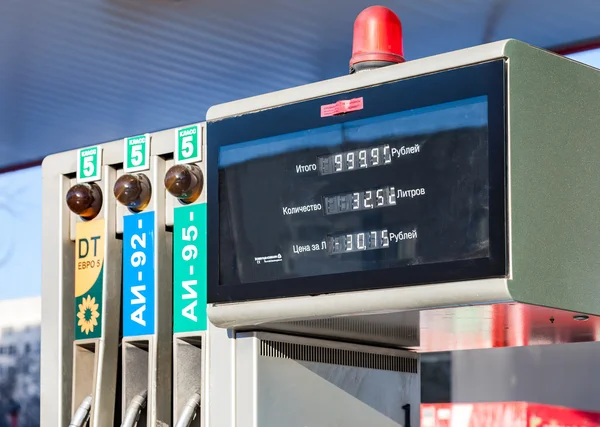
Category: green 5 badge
[89,161]
[136,153]
[189,145]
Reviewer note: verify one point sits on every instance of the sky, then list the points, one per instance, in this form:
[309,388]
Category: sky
[590,57]
[21,223]
[20,233]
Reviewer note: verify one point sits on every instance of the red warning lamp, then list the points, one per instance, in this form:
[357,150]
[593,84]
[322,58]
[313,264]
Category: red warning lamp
[377,39]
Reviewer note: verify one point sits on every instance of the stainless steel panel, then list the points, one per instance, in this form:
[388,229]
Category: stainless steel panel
[555,184]
[221,396]
[57,379]
[553,195]
[453,328]
[432,64]
[315,382]
[255,313]
[159,364]
[503,325]
[84,371]
[189,368]
[105,385]
[563,375]
[57,309]
[58,257]
[137,376]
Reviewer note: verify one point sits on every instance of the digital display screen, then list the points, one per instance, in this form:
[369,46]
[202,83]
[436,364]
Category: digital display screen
[360,200]
[355,159]
[356,242]
[394,190]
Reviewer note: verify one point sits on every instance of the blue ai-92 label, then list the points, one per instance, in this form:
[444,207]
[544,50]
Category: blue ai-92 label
[138,274]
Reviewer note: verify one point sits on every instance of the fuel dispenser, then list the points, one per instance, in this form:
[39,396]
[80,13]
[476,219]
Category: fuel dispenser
[146,344]
[109,238]
[444,203]
[304,247]
[83,264]
[185,183]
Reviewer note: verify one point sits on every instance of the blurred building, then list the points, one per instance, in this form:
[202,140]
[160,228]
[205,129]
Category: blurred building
[20,333]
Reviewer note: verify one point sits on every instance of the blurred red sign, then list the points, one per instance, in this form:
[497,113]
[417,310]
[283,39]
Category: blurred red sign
[505,414]
[342,107]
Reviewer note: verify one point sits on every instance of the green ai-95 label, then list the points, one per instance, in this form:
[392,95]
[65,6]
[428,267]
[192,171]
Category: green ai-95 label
[189,268]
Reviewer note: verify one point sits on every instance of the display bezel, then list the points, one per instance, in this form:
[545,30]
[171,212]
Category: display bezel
[486,79]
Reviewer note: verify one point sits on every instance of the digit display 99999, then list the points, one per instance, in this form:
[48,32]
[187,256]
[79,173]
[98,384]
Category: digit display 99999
[355,159]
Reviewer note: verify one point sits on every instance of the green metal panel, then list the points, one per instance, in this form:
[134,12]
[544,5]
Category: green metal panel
[554,142]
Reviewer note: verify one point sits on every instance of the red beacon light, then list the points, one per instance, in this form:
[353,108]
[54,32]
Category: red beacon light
[377,39]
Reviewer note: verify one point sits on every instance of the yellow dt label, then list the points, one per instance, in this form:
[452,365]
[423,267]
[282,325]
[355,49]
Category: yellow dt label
[89,274]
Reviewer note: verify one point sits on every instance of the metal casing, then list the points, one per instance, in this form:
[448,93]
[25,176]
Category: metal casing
[294,381]
[552,191]
[58,272]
